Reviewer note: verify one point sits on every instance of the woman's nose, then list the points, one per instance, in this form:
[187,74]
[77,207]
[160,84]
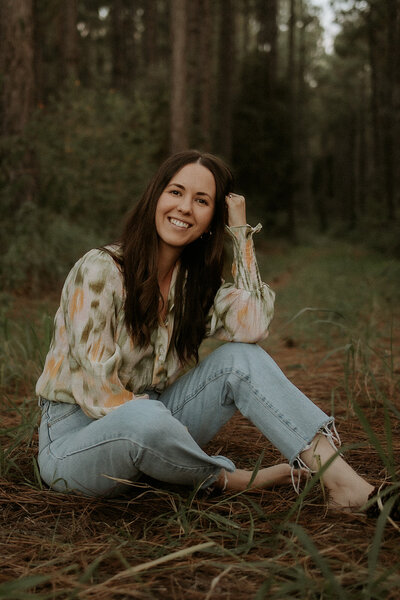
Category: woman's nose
[185,204]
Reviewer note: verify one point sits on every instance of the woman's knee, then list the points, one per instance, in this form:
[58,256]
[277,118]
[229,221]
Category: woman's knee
[250,361]
[144,422]
[239,353]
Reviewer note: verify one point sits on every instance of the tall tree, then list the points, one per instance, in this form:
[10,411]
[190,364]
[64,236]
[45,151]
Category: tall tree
[150,33]
[178,101]
[17,64]
[301,125]
[377,162]
[267,13]
[291,82]
[122,44]
[206,74]
[201,71]
[392,18]
[226,78]
[69,38]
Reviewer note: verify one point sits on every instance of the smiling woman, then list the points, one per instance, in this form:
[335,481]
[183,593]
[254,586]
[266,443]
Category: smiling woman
[184,210]
[115,404]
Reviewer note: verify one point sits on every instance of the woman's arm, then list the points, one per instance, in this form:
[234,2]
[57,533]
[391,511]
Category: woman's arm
[242,311]
[92,299]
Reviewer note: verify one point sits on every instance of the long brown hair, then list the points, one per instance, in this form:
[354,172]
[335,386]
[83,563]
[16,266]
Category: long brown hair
[201,261]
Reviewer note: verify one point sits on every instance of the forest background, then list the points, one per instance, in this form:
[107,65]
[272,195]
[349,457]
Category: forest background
[95,94]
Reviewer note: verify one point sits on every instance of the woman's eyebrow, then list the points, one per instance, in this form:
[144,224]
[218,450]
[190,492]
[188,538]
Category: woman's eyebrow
[182,187]
[179,185]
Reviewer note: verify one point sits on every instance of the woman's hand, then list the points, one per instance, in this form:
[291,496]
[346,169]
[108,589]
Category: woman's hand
[236,210]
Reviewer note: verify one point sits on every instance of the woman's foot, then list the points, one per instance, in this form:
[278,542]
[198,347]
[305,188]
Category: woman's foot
[240,479]
[346,490]
[349,498]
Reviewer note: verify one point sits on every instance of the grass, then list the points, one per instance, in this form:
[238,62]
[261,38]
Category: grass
[335,334]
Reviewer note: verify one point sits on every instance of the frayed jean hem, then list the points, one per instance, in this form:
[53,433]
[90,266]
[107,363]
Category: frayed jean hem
[329,431]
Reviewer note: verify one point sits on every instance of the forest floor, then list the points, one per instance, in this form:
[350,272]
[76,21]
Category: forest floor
[335,335]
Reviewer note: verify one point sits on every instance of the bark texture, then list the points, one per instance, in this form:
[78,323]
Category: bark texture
[178,124]
[17,62]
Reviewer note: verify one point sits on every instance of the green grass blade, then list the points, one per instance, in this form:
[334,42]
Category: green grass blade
[321,563]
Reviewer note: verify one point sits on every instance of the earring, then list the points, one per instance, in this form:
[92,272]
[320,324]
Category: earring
[206,235]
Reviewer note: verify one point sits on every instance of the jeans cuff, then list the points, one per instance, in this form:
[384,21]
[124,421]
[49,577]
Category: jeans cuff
[224,463]
[329,431]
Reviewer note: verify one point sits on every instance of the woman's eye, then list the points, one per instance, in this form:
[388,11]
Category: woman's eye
[175,192]
[202,201]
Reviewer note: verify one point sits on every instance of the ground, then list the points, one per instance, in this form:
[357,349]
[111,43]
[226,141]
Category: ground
[168,542]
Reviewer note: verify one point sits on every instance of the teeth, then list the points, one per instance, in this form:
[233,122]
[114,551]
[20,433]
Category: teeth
[179,223]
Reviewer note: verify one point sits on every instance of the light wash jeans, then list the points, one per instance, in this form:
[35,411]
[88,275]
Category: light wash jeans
[162,436]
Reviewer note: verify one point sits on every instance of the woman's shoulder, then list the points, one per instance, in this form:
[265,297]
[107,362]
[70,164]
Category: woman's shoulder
[97,265]
[108,256]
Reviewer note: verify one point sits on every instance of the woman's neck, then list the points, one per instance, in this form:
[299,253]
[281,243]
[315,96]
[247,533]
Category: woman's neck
[166,265]
[167,258]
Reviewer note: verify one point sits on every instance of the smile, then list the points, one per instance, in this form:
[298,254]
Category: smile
[178,223]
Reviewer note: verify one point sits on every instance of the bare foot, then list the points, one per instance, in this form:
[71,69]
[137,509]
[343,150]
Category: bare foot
[240,479]
[346,490]
[349,499]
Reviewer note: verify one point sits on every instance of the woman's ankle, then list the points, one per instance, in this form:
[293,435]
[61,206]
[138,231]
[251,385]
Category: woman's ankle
[345,488]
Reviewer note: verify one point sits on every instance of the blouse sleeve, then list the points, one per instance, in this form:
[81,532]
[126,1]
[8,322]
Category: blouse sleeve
[91,300]
[242,311]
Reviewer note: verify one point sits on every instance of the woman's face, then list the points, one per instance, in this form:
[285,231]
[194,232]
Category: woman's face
[185,208]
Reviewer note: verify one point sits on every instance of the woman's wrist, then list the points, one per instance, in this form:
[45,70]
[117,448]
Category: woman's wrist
[236,206]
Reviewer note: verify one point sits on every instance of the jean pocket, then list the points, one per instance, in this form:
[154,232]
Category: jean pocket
[59,411]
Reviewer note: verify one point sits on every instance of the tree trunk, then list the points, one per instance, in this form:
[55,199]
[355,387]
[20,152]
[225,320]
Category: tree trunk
[350,201]
[69,41]
[117,45]
[362,150]
[206,75]
[245,29]
[178,124]
[17,65]
[302,107]
[17,58]
[150,33]
[268,40]
[376,86]
[226,65]
[122,44]
[320,187]
[193,33]
[291,82]
[200,53]
[389,111]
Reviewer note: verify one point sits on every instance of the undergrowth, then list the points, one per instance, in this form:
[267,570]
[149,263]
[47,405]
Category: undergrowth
[336,335]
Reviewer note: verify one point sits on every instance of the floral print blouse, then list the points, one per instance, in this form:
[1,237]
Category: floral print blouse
[93,361]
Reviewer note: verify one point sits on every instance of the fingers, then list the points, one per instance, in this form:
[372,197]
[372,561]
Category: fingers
[236,205]
[234,199]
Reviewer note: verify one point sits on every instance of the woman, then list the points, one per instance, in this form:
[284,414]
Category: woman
[132,315]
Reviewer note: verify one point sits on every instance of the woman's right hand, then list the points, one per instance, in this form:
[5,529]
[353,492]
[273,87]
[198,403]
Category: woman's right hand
[236,206]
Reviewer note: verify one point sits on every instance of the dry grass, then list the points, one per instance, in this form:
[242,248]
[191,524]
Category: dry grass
[168,542]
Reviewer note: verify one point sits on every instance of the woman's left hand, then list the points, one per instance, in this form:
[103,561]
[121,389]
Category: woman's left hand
[236,210]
